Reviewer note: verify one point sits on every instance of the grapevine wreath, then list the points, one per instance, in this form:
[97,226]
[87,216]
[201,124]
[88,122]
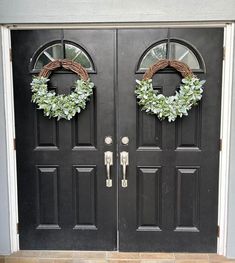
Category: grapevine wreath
[61,106]
[189,94]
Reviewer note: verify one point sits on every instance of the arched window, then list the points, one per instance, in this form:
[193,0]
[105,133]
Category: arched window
[61,50]
[173,49]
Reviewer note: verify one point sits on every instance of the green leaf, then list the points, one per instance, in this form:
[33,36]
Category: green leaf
[60,106]
[173,106]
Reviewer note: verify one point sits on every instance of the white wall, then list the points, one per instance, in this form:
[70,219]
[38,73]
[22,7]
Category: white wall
[64,11]
[231,201]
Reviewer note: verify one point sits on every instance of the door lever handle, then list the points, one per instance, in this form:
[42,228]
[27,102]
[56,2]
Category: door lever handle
[124,161]
[108,161]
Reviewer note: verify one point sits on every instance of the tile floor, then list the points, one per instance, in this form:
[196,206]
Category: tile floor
[32,256]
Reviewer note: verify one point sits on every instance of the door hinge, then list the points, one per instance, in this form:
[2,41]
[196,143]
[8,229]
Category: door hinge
[224,53]
[10,53]
[220,145]
[14,143]
[217,231]
[17,228]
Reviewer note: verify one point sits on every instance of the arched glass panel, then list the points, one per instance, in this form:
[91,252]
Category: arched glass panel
[65,51]
[175,50]
[77,55]
[153,55]
[47,55]
[183,54]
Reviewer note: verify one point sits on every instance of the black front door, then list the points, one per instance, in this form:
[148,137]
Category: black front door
[63,200]
[169,202]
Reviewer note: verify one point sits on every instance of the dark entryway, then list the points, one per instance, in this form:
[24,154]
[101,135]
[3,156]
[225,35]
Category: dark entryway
[170,202]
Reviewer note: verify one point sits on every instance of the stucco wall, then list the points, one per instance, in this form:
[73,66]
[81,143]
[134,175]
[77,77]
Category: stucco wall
[64,11]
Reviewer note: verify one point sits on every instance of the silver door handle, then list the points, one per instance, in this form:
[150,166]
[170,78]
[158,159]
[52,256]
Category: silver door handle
[124,161]
[108,161]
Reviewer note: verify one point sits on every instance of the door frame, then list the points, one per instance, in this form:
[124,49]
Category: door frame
[225,123]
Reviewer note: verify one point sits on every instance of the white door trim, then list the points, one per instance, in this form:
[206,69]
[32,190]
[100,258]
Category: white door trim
[117,25]
[10,135]
[225,119]
[225,135]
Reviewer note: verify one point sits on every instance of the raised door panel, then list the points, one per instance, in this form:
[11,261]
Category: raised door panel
[84,133]
[47,197]
[46,132]
[85,197]
[149,209]
[188,130]
[187,205]
[149,132]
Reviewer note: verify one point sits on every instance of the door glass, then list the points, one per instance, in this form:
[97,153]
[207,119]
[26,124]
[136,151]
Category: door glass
[59,51]
[184,54]
[77,55]
[153,55]
[175,50]
[49,54]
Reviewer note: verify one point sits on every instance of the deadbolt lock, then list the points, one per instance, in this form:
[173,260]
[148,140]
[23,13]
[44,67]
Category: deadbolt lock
[108,140]
[125,140]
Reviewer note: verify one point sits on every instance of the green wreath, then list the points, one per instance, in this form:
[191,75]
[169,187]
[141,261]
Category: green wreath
[189,94]
[61,106]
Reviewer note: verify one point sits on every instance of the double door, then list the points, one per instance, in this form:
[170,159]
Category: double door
[163,187]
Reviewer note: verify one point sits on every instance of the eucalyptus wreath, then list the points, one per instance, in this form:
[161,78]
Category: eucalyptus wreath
[171,107]
[60,106]
[188,95]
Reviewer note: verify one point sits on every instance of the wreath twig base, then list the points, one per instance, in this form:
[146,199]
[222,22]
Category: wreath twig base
[189,94]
